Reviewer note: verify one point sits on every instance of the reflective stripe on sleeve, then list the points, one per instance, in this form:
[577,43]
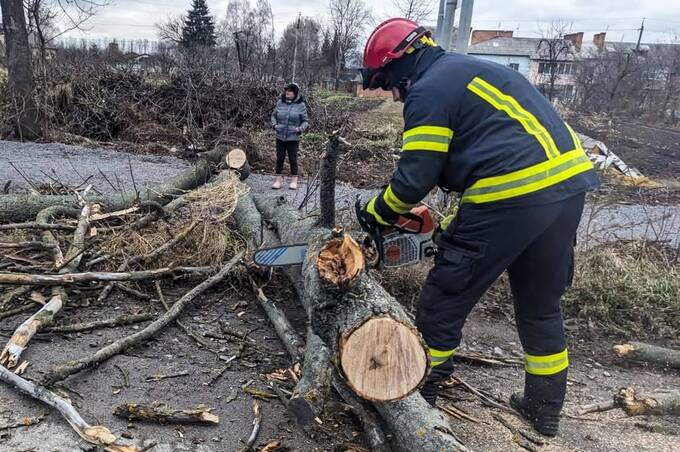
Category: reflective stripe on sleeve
[394,203]
[546,365]
[370,208]
[427,138]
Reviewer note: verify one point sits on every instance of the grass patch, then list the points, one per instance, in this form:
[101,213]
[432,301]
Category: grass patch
[629,288]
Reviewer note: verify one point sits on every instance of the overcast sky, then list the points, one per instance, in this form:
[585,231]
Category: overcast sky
[621,19]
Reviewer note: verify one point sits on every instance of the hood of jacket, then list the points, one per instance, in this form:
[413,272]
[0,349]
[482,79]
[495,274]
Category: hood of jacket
[299,99]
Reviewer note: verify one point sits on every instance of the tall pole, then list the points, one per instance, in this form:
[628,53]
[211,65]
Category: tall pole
[447,24]
[440,19]
[464,25]
[297,31]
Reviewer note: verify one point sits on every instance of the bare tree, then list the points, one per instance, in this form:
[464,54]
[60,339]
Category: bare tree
[171,30]
[553,49]
[348,18]
[416,10]
[19,69]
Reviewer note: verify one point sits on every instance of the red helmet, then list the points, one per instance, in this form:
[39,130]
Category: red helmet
[390,40]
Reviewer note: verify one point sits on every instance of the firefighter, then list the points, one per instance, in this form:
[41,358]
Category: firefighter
[482,130]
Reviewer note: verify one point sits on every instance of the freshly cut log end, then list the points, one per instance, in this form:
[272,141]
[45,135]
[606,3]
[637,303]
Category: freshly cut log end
[237,160]
[340,262]
[659,403]
[383,359]
[624,350]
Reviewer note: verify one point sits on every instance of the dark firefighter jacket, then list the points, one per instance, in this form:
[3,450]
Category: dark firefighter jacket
[481,129]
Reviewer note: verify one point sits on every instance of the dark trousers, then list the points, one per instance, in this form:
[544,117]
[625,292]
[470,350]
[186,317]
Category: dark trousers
[535,244]
[290,148]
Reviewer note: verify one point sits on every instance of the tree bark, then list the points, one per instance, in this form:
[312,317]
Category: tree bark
[659,403]
[660,356]
[19,69]
[327,182]
[165,415]
[16,208]
[74,278]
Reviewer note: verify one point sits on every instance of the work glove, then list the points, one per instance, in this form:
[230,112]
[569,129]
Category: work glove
[369,218]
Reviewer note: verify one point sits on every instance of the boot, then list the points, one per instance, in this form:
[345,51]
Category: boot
[293,183]
[429,391]
[277,182]
[542,401]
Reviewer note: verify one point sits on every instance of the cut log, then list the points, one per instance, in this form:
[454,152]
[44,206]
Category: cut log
[74,278]
[340,262]
[166,415]
[93,434]
[658,403]
[62,371]
[237,160]
[365,309]
[337,314]
[652,354]
[15,208]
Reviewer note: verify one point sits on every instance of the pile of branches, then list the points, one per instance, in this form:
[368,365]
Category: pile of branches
[107,100]
[84,245]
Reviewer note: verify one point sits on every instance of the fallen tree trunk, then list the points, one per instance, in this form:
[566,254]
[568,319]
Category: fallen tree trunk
[15,208]
[98,435]
[310,394]
[371,337]
[165,415]
[62,371]
[638,351]
[658,403]
[74,278]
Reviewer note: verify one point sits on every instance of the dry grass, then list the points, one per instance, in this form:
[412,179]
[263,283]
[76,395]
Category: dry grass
[210,242]
[629,288]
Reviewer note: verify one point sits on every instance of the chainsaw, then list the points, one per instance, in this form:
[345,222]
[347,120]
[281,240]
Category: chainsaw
[407,242]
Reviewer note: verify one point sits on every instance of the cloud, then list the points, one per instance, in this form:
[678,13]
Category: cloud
[134,19]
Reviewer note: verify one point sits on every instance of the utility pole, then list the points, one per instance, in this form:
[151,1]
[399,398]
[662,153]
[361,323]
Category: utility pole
[297,32]
[447,24]
[464,23]
[642,28]
[440,19]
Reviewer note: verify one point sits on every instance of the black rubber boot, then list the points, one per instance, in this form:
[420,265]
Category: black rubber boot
[429,391]
[542,401]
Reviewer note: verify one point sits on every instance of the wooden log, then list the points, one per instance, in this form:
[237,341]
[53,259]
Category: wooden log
[16,208]
[64,370]
[659,403]
[651,354]
[237,160]
[163,414]
[74,278]
[312,391]
[93,434]
[337,314]
[365,328]
[19,341]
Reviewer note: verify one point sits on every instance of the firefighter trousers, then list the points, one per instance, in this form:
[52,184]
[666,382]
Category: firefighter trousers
[536,245]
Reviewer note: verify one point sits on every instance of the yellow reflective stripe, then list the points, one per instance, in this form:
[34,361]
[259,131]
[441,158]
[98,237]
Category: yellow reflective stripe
[438,357]
[577,142]
[394,203]
[509,105]
[429,130]
[425,146]
[370,208]
[546,365]
[551,176]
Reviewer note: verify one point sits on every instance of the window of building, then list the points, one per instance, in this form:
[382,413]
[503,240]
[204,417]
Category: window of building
[514,66]
[560,68]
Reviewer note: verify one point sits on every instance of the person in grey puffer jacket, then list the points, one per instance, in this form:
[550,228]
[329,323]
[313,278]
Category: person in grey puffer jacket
[289,119]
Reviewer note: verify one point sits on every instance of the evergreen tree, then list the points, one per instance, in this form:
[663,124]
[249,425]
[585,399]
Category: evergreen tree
[199,28]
